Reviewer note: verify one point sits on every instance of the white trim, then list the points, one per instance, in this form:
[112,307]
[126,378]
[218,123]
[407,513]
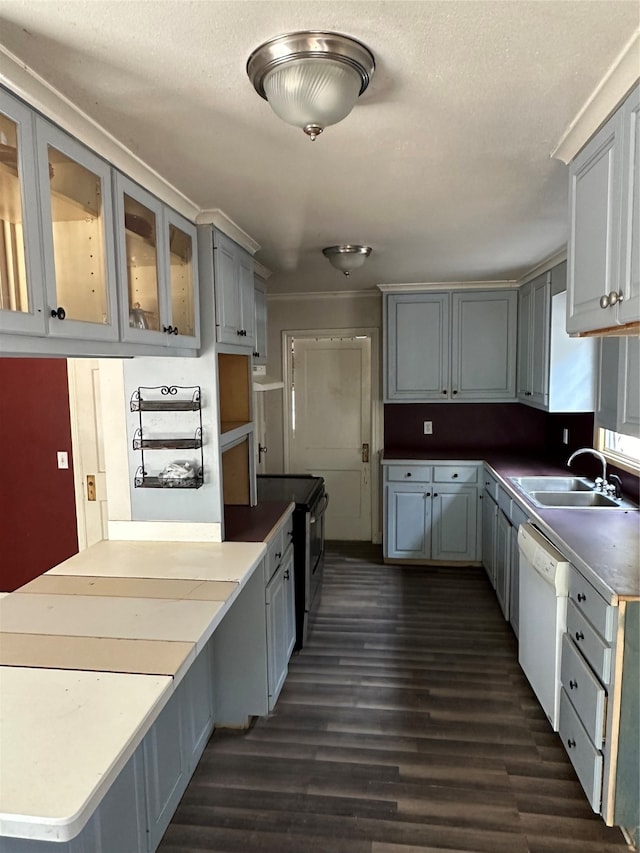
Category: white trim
[420,287]
[165,531]
[377,408]
[609,92]
[326,294]
[544,266]
[78,479]
[261,270]
[39,94]
[219,219]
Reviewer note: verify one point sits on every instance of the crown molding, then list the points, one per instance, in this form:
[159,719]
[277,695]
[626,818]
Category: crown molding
[421,287]
[612,89]
[39,94]
[261,270]
[219,219]
[544,266]
[329,294]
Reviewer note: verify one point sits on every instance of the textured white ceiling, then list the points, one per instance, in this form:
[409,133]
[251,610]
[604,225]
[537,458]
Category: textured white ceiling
[443,167]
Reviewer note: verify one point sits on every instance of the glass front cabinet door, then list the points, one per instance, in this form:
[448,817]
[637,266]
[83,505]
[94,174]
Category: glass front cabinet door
[156,269]
[77,234]
[21,293]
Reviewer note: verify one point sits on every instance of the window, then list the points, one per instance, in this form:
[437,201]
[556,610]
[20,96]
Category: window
[619,449]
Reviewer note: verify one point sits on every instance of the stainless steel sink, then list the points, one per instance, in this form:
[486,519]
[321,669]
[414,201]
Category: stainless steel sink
[574,499]
[553,484]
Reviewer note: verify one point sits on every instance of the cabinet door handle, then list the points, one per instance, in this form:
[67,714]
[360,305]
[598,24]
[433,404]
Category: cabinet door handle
[608,300]
[579,636]
[573,685]
[239,332]
[59,312]
[286,575]
[571,743]
[278,555]
[581,596]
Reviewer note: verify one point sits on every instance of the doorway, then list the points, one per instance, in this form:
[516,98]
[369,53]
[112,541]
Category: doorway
[332,423]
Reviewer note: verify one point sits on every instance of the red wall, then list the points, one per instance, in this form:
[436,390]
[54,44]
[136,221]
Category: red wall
[37,501]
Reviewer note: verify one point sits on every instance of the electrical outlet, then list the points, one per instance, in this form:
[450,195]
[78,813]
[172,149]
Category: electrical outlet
[565,436]
[63,459]
[428,427]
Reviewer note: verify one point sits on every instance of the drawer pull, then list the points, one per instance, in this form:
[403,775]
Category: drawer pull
[571,743]
[286,575]
[579,636]
[278,554]
[573,685]
[582,596]
[408,474]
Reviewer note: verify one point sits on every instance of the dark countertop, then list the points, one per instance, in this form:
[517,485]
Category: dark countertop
[603,544]
[253,523]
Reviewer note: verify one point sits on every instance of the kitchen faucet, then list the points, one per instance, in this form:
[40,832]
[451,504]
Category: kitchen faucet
[601,482]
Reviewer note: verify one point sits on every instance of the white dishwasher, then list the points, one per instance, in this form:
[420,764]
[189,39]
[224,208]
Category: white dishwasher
[544,581]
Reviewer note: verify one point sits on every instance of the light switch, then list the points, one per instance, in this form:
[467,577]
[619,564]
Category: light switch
[63,459]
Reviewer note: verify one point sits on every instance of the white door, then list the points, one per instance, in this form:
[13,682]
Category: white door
[330,427]
[88,450]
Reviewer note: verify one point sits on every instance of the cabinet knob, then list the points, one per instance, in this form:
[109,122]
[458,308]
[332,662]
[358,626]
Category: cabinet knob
[444,390]
[579,636]
[435,494]
[581,596]
[286,575]
[454,476]
[170,330]
[408,474]
[239,332]
[527,393]
[256,355]
[608,300]
[427,494]
[278,554]
[571,743]
[604,301]
[573,685]
[455,392]
[59,312]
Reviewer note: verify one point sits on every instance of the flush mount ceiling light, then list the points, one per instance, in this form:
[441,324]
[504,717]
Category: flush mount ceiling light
[311,79]
[347,258]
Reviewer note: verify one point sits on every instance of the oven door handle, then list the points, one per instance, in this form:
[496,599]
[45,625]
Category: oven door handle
[322,509]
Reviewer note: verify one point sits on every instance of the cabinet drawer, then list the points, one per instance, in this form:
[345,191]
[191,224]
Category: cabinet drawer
[586,759]
[601,615]
[455,473]
[400,473]
[587,695]
[589,642]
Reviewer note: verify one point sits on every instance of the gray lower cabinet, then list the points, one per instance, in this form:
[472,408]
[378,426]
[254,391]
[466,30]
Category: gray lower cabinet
[450,346]
[279,599]
[503,562]
[600,701]
[431,512]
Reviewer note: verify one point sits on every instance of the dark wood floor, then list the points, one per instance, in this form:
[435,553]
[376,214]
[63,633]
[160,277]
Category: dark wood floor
[405,726]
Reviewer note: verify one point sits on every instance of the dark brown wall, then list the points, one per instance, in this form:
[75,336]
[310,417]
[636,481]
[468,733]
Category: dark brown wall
[37,500]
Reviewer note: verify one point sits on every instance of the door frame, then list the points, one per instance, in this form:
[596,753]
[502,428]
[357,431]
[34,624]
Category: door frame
[376,406]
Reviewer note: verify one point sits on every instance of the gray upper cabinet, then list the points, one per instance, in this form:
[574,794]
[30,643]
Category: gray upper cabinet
[619,393]
[157,269]
[234,293]
[260,296]
[456,346]
[91,264]
[22,296]
[484,338]
[76,211]
[602,284]
[556,373]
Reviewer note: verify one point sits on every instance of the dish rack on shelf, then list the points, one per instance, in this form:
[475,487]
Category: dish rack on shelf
[157,402]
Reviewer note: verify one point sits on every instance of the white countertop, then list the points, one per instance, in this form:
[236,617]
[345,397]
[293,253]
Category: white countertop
[65,737]
[66,733]
[206,561]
